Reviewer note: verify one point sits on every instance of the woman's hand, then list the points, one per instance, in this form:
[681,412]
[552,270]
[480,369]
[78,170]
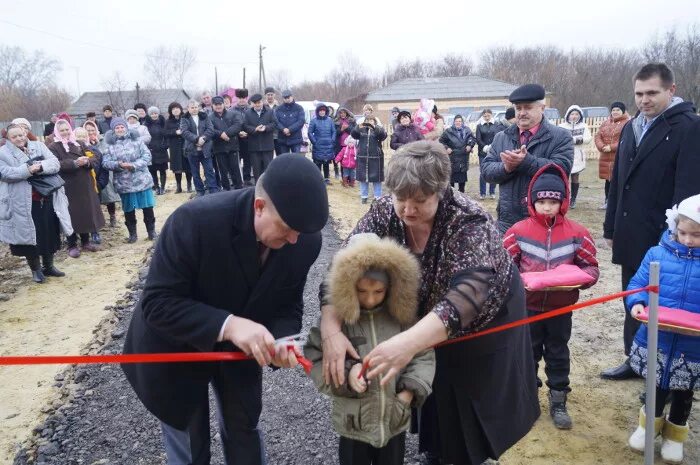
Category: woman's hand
[606,148]
[178,132]
[35,167]
[357,383]
[637,310]
[449,151]
[335,346]
[390,357]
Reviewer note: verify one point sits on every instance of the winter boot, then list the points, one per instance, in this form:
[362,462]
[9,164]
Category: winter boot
[49,268]
[112,221]
[637,440]
[151,229]
[35,265]
[557,409]
[574,194]
[96,237]
[672,446]
[132,233]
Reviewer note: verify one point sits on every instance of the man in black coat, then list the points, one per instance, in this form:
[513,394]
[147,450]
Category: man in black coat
[228,273]
[242,107]
[227,124]
[104,123]
[198,133]
[259,123]
[657,165]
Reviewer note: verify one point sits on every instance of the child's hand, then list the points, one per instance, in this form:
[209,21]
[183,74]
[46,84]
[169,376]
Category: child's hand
[637,310]
[358,385]
[405,396]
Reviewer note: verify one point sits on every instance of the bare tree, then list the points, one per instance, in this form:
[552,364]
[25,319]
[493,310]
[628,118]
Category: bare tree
[20,70]
[279,79]
[349,78]
[168,67]
[452,65]
[117,88]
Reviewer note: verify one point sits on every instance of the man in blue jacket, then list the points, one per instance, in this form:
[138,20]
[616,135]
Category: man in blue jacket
[290,119]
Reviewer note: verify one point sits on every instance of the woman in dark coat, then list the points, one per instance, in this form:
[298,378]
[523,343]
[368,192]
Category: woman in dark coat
[158,147]
[485,132]
[459,142]
[77,170]
[405,131]
[344,123]
[178,162]
[370,157]
[485,390]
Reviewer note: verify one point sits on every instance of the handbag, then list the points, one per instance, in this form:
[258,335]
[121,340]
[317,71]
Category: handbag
[46,184]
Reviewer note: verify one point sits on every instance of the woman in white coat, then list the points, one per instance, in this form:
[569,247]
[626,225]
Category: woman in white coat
[30,222]
[573,121]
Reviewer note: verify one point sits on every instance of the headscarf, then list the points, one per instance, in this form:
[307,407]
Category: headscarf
[66,117]
[97,131]
[65,141]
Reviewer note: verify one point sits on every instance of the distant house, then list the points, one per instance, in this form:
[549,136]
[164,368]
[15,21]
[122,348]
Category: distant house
[452,95]
[123,100]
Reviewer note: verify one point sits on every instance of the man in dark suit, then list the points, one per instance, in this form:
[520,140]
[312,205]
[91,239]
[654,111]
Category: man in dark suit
[228,272]
[259,123]
[656,166]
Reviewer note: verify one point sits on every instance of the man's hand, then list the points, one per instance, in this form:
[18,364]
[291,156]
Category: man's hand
[252,338]
[405,396]
[358,385]
[260,128]
[512,158]
[178,132]
[637,310]
[284,357]
[243,134]
[200,141]
[225,137]
[286,131]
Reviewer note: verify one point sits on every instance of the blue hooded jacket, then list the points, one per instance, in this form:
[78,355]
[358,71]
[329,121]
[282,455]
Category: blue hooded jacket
[292,117]
[679,355]
[322,136]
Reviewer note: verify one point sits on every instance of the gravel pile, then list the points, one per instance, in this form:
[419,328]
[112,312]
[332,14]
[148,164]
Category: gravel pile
[100,421]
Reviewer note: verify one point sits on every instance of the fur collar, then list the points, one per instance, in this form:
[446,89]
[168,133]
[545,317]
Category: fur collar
[367,251]
[111,138]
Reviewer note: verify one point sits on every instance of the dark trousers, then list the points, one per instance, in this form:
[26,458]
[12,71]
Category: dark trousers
[217,174]
[229,166]
[284,148]
[278,147]
[482,183]
[550,339]
[156,169]
[428,427]
[352,452]
[149,218]
[459,185]
[631,325]
[247,163]
[681,403]
[260,161]
[324,167]
[195,160]
[238,415]
[607,189]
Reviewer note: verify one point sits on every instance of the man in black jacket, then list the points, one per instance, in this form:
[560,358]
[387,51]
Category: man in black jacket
[198,133]
[104,123]
[228,273]
[259,123]
[242,107]
[657,165]
[227,124]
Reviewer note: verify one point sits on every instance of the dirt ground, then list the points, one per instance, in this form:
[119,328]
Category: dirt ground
[59,317]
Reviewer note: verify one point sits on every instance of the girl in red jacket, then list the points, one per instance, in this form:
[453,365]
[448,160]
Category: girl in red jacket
[542,242]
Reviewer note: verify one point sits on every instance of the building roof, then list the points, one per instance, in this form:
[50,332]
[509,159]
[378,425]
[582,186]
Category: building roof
[443,88]
[122,100]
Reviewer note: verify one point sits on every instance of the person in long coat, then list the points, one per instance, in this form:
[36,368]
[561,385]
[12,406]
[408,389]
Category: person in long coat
[155,123]
[485,132]
[105,183]
[459,142]
[322,137]
[606,141]
[369,157]
[581,135]
[29,222]
[176,145]
[77,169]
[485,390]
[259,124]
[223,280]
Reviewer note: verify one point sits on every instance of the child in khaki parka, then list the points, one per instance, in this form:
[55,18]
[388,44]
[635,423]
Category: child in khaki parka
[373,286]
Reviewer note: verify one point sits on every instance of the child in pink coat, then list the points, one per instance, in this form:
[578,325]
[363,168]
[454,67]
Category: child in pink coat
[346,158]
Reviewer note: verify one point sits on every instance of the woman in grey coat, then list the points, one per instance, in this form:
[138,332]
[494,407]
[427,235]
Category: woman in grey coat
[29,222]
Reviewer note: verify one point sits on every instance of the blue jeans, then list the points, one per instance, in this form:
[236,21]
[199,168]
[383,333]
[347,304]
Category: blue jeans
[209,176]
[284,148]
[482,183]
[349,173]
[364,189]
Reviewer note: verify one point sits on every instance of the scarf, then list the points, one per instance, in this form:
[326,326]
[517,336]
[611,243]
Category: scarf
[65,141]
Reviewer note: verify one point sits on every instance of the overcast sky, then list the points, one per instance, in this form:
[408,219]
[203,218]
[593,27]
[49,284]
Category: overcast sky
[94,39]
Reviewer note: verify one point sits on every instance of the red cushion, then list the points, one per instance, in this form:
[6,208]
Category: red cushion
[675,320]
[561,276]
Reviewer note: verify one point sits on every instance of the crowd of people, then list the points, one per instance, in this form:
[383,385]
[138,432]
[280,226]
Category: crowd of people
[426,264]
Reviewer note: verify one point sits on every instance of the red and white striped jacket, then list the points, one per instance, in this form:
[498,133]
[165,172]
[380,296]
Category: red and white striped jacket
[538,244]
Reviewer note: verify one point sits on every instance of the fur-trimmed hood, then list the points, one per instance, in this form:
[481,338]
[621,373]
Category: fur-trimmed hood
[111,138]
[367,251]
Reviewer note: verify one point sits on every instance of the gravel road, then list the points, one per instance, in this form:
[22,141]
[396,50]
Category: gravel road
[100,421]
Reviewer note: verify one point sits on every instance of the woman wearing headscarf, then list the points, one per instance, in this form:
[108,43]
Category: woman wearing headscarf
[81,187]
[606,141]
[155,123]
[573,121]
[128,157]
[105,178]
[31,223]
[178,162]
[459,142]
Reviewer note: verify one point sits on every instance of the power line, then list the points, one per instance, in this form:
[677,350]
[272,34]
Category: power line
[113,49]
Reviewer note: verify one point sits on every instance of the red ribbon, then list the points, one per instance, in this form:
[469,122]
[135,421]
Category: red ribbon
[540,317]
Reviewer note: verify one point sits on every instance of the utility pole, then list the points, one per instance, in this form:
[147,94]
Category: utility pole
[77,78]
[261,68]
[243,77]
[137,93]
[216,81]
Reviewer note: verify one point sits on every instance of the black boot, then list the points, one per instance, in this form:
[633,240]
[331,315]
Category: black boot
[574,194]
[132,233]
[49,268]
[151,232]
[35,265]
[112,221]
[557,409]
[178,182]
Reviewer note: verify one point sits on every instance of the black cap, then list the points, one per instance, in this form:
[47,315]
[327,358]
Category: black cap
[619,105]
[296,188]
[548,186]
[286,93]
[269,90]
[255,98]
[510,113]
[218,100]
[241,93]
[527,93]
[90,114]
[402,114]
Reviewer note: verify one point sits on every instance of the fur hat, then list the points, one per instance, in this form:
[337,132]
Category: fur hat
[153,109]
[116,121]
[241,93]
[510,113]
[269,90]
[131,113]
[367,252]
